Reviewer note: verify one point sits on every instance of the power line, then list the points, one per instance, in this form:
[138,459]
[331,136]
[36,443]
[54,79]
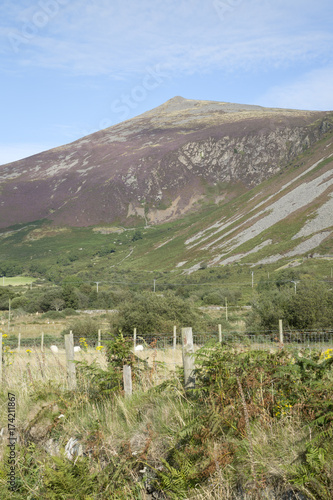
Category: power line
[249,283]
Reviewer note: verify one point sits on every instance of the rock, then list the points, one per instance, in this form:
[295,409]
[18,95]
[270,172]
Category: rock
[73,449]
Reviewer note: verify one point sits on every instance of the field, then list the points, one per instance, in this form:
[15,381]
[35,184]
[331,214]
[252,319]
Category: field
[16,281]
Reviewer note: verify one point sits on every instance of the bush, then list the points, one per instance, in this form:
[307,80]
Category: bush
[83,328]
[53,315]
[154,313]
[70,312]
[311,307]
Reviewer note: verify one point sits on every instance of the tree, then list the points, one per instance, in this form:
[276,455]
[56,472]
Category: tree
[69,296]
[137,235]
[311,306]
[154,313]
[57,304]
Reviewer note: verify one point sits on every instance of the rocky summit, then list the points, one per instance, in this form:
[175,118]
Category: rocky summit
[157,166]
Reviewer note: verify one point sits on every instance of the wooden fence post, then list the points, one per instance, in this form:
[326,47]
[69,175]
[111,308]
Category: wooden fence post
[188,359]
[174,337]
[19,342]
[99,338]
[220,333]
[42,342]
[69,346]
[280,331]
[134,339]
[127,378]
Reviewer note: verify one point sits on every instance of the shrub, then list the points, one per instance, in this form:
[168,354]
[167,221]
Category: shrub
[154,313]
[86,328]
[54,315]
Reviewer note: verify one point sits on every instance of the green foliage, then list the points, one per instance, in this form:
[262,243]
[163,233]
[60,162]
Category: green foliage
[220,295]
[96,382]
[151,312]
[69,296]
[310,307]
[99,382]
[83,328]
[68,478]
[176,481]
[41,476]
[105,250]
[8,268]
[137,235]
[119,351]
[5,295]
[314,472]
[54,315]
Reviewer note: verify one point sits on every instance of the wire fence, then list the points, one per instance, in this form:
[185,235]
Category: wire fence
[162,351]
[161,341]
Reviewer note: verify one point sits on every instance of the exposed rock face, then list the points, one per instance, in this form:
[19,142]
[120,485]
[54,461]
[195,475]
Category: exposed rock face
[157,165]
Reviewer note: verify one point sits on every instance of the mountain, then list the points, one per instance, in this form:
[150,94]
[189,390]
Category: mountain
[157,166]
[208,183]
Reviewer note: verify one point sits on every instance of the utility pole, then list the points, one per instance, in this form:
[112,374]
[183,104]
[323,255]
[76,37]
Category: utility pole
[252,272]
[97,283]
[226,309]
[154,285]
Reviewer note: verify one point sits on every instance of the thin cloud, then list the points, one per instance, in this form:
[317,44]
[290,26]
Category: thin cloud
[121,39]
[313,90]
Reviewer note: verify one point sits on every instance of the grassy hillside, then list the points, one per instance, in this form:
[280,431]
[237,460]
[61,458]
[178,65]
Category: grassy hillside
[187,250]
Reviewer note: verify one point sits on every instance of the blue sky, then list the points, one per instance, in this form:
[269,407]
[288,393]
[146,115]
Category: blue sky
[72,67]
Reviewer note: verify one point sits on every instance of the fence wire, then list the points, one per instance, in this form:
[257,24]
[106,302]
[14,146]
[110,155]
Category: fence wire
[313,339]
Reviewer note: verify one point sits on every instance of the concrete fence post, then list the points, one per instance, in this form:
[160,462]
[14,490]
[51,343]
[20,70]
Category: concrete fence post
[99,338]
[69,346]
[0,358]
[174,337]
[220,333]
[188,359]
[127,379]
[280,331]
[134,339]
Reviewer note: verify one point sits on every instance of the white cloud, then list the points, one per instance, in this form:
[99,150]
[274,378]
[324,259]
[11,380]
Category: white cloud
[184,36]
[313,90]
